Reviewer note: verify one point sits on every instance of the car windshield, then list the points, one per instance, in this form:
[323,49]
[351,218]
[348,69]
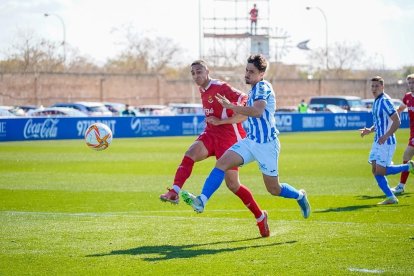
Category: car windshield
[355,103]
[97,108]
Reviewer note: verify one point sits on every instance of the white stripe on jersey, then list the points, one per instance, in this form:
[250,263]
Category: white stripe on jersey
[382,110]
[263,129]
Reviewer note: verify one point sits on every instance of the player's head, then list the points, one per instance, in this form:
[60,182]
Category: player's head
[410,82]
[200,72]
[377,86]
[255,69]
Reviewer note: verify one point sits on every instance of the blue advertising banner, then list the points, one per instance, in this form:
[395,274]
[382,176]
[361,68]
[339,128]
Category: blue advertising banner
[21,129]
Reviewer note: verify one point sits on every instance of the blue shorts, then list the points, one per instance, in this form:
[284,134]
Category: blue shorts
[266,155]
[382,154]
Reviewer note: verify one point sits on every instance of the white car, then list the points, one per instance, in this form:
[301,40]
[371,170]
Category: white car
[90,108]
[5,113]
[187,108]
[369,102]
[153,109]
[56,112]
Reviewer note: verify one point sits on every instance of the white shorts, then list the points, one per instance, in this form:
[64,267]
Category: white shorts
[266,155]
[382,154]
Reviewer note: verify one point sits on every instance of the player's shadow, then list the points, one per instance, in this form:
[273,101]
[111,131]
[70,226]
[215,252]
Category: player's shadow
[364,197]
[167,252]
[345,208]
[360,207]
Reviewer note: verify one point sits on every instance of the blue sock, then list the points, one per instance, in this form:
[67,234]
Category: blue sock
[383,184]
[213,182]
[288,191]
[397,169]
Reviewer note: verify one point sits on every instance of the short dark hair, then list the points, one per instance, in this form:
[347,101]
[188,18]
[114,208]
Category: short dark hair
[378,78]
[259,61]
[200,62]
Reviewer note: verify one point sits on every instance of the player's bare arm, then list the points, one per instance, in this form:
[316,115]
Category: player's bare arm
[393,128]
[253,111]
[401,108]
[236,118]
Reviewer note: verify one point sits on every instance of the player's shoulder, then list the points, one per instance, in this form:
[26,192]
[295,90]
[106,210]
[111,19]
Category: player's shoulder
[222,85]
[263,87]
[408,95]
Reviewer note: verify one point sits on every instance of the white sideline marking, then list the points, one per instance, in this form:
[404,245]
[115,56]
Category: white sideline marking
[147,214]
[364,270]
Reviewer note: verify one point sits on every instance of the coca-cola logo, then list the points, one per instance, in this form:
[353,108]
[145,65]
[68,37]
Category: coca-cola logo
[42,130]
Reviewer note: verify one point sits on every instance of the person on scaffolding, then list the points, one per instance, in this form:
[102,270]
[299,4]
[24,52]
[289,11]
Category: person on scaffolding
[254,13]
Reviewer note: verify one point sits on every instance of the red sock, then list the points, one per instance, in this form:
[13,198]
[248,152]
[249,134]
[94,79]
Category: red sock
[183,171]
[404,175]
[247,197]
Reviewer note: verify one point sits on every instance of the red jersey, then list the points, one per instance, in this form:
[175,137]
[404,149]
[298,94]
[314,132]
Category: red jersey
[213,108]
[253,14]
[408,100]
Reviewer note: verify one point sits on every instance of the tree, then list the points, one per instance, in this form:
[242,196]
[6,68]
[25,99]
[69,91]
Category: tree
[31,54]
[343,57]
[143,54]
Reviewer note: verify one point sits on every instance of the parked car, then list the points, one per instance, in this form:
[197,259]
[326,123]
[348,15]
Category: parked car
[287,108]
[115,108]
[27,108]
[16,111]
[153,109]
[56,112]
[90,108]
[313,108]
[349,103]
[187,108]
[6,113]
[369,102]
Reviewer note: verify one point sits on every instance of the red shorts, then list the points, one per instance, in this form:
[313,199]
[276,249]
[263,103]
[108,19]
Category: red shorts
[216,144]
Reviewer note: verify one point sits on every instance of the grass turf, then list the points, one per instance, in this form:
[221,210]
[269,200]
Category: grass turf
[65,209]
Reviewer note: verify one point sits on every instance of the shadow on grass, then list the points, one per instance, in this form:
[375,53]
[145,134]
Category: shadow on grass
[360,207]
[167,252]
[345,208]
[365,197]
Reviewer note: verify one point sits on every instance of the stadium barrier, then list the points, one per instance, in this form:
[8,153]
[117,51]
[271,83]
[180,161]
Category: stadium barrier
[22,129]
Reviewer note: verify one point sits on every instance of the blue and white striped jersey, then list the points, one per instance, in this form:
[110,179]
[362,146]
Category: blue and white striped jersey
[263,129]
[382,110]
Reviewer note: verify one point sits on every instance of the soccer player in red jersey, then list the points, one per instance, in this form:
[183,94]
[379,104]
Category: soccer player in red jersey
[408,102]
[223,129]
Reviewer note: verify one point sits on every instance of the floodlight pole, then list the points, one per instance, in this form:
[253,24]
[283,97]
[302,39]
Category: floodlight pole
[64,33]
[326,33]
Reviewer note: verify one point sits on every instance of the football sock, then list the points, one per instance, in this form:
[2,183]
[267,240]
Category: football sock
[183,171]
[383,184]
[259,219]
[247,197]
[176,189]
[404,175]
[212,183]
[397,169]
[288,191]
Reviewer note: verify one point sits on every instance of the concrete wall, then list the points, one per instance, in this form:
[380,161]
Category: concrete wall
[47,88]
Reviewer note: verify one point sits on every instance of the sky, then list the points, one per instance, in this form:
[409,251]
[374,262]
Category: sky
[384,28]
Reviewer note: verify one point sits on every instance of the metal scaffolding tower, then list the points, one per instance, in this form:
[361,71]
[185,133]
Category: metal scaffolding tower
[228,37]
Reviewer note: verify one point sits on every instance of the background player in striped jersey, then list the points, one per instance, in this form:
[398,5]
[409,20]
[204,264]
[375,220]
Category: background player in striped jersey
[408,102]
[223,129]
[386,122]
[261,144]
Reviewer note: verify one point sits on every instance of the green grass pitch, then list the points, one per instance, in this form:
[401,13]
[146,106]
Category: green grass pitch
[69,210]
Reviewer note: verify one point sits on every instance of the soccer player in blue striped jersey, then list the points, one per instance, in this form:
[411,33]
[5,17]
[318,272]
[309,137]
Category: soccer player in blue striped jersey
[261,143]
[386,121]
